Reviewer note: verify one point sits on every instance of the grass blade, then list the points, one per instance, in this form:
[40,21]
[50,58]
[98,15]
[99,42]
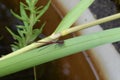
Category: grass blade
[52,52]
[73,15]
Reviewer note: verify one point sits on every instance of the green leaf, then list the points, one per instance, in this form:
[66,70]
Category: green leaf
[14,47]
[16,15]
[23,12]
[41,12]
[34,2]
[38,8]
[73,15]
[28,2]
[13,34]
[41,28]
[20,26]
[22,34]
[51,52]
[26,32]
[36,33]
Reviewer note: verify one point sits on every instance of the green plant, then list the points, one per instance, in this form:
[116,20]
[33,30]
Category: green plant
[31,55]
[26,33]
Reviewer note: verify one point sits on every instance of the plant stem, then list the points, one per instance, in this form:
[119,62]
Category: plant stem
[96,22]
[35,75]
[63,33]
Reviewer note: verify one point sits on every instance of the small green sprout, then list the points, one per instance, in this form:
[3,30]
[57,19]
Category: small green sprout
[26,33]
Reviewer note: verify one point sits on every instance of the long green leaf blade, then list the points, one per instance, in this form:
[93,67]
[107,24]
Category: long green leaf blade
[73,15]
[52,52]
